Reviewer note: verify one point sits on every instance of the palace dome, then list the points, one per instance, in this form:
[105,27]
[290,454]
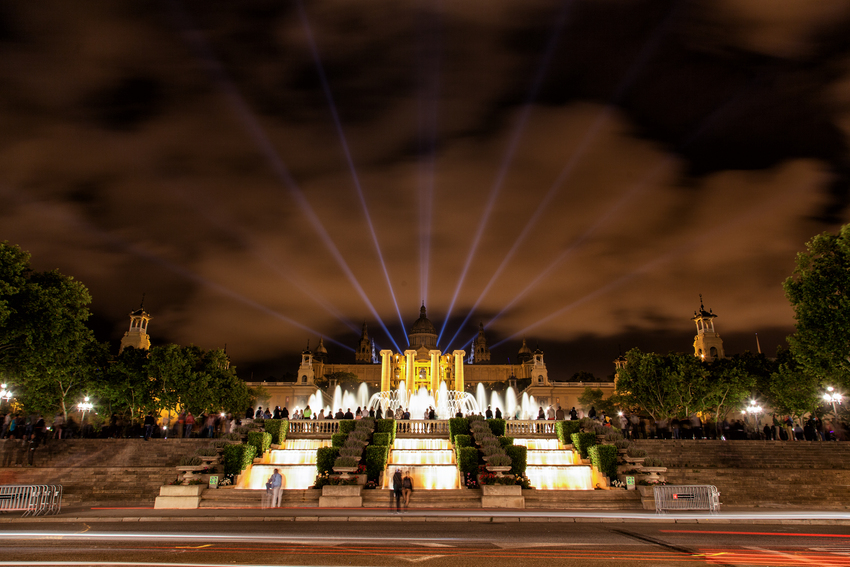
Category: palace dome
[423,325]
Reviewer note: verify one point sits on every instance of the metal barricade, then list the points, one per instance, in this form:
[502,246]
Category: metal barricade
[32,499]
[687,497]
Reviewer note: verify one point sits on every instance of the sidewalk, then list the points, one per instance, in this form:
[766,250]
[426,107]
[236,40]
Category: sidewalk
[149,514]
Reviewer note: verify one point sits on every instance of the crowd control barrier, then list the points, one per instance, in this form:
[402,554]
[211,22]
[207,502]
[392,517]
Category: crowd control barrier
[32,499]
[687,497]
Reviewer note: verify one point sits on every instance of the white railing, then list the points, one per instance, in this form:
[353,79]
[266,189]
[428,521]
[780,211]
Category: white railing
[32,499]
[422,427]
[516,428]
[318,427]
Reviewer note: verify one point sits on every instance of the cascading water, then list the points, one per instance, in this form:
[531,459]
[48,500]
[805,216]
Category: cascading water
[481,397]
[549,466]
[296,461]
[429,462]
[510,401]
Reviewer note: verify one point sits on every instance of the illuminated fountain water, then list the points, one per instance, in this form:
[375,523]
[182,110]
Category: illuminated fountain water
[446,404]
[549,466]
[296,461]
[429,462]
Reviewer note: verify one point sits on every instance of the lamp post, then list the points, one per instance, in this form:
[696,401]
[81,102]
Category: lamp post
[84,406]
[832,397]
[755,409]
[5,393]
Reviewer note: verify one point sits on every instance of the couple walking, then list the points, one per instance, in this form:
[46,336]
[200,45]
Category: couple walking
[402,488]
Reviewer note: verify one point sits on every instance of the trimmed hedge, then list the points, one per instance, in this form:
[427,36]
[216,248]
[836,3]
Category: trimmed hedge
[347,425]
[505,441]
[519,458]
[467,459]
[381,439]
[237,457]
[565,429]
[325,457]
[278,428]
[261,440]
[463,441]
[582,442]
[497,426]
[386,426]
[458,426]
[376,460]
[338,439]
[604,458]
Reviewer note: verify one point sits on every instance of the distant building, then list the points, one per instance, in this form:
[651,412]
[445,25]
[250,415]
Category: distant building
[137,337]
[708,345]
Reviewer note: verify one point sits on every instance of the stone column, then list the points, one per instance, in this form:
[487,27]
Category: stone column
[410,370]
[386,370]
[459,356]
[435,372]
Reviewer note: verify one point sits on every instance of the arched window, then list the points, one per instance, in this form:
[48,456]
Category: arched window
[304,378]
[713,352]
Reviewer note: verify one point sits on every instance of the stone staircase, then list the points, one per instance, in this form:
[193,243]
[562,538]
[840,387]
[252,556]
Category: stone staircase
[764,474]
[238,498]
[583,499]
[456,498]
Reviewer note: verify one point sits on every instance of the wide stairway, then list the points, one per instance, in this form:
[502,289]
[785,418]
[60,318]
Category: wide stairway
[768,474]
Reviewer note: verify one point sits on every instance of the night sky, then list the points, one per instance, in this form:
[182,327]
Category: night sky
[573,173]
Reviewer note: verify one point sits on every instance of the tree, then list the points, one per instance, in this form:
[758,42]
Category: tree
[595,398]
[45,347]
[789,389]
[127,386]
[819,292]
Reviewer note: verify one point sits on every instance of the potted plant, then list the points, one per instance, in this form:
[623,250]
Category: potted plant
[209,455]
[622,446]
[190,466]
[634,455]
[499,463]
[346,465]
[652,466]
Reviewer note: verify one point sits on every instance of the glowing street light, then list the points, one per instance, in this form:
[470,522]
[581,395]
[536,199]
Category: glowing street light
[832,397]
[85,406]
[755,409]
[5,394]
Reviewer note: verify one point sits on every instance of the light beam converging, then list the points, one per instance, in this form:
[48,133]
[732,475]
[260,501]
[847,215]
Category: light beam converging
[507,159]
[356,178]
[759,211]
[632,192]
[250,123]
[80,226]
[260,252]
[427,117]
[589,136]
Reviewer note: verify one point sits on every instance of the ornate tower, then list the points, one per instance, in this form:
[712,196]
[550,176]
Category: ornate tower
[539,374]
[422,333]
[137,336]
[305,371]
[524,354]
[364,350]
[707,343]
[479,346]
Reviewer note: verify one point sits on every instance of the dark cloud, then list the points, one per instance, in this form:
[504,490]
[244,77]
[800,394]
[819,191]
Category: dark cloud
[187,150]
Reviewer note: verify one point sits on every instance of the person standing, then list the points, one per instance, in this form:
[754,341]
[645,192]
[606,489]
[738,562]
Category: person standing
[58,425]
[150,422]
[406,488]
[398,483]
[276,482]
[190,424]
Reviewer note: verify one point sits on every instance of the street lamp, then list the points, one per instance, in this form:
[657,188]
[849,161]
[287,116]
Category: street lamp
[84,407]
[755,409]
[832,397]
[5,394]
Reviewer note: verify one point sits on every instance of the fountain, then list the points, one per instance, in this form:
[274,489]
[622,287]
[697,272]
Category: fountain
[550,467]
[429,462]
[296,461]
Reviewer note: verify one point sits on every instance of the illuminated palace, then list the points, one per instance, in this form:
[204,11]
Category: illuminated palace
[423,366]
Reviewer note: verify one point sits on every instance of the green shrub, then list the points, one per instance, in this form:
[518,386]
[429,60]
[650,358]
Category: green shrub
[565,429]
[489,450]
[635,453]
[519,458]
[338,439]
[278,429]
[604,458]
[380,438]
[500,460]
[376,459]
[497,426]
[366,423]
[505,441]
[347,461]
[467,459]
[346,425]
[232,437]
[622,444]
[190,461]
[653,462]
[206,452]
[237,457]
[386,426]
[613,436]
[458,426]
[582,442]
[325,457]
[351,452]
[463,440]
[262,441]
[219,443]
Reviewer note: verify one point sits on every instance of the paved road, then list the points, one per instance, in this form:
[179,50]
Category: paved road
[373,542]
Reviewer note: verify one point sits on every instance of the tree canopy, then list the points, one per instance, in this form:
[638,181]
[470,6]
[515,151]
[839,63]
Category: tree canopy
[819,292]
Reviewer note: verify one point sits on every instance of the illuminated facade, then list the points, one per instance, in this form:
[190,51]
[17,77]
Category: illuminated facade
[707,343]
